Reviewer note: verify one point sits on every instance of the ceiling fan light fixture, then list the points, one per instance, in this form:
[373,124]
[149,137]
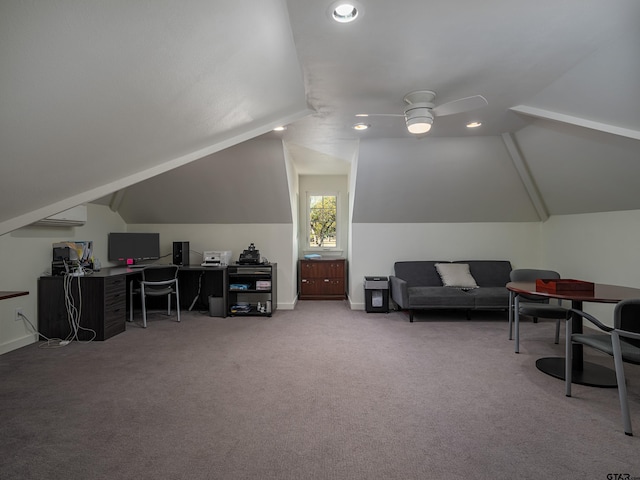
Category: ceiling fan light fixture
[344,12]
[418,118]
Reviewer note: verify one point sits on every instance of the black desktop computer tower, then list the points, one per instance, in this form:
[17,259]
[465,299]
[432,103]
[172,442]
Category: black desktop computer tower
[181,253]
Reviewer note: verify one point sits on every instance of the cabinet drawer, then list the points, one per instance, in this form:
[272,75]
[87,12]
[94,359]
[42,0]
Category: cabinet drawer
[333,286]
[114,284]
[322,286]
[322,269]
[114,323]
[115,292]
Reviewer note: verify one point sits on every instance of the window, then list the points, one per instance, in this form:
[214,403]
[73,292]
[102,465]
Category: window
[322,221]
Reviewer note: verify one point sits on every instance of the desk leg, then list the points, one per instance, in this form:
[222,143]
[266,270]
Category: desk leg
[583,373]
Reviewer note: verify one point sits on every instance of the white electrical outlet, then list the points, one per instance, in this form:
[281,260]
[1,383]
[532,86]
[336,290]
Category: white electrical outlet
[18,314]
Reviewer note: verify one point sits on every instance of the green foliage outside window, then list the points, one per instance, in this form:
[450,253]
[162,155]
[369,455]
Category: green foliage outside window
[322,220]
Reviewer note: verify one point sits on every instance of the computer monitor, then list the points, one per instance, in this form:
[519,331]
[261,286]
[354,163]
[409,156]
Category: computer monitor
[130,247]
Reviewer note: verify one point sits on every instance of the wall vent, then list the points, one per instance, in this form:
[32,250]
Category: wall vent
[74,217]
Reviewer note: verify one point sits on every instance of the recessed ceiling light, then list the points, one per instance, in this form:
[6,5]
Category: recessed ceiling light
[343,12]
[473,124]
[361,126]
[279,129]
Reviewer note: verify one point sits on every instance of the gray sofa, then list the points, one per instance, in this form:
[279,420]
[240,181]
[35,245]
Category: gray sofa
[417,285]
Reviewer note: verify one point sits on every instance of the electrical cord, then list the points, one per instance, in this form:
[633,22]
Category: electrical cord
[195,299]
[74,314]
[50,342]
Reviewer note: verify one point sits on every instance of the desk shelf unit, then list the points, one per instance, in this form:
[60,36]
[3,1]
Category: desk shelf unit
[250,284]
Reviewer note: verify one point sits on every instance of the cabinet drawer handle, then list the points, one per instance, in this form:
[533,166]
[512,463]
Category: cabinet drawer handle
[326,279]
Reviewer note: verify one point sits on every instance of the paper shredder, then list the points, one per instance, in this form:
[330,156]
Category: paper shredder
[376,294]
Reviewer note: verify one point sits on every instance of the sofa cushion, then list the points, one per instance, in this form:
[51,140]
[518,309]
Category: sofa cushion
[490,297]
[489,273]
[418,273]
[424,297]
[456,275]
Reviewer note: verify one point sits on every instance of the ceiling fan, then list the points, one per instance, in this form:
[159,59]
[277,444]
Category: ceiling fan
[420,109]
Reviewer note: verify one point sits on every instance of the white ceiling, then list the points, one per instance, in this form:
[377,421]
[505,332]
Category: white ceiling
[96,97]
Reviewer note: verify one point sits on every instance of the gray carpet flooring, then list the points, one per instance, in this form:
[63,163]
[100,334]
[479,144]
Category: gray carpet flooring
[320,392]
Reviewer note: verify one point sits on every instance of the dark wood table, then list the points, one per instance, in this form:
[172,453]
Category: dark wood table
[584,373]
[11,294]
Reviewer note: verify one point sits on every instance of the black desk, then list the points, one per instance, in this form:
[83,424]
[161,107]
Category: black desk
[198,283]
[104,298]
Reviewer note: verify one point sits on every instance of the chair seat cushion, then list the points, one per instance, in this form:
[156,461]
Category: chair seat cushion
[630,353]
[490,297]
[443,297]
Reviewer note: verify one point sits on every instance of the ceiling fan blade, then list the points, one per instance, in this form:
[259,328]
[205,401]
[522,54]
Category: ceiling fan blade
[379,115]
[461,105]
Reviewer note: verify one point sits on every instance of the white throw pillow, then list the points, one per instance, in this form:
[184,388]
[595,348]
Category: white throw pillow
[456,275]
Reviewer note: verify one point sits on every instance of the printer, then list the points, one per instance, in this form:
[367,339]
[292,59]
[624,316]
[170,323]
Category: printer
[250,256]
[216,258]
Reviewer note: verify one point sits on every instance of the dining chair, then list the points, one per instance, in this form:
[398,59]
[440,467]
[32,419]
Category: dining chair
[157,281]
[622,342]
[533,306]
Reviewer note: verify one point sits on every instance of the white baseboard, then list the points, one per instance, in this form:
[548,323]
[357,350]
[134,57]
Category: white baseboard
[288,305]
[18,343]
[357,306]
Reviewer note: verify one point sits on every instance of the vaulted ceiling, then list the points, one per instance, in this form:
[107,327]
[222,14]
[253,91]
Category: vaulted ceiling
[154,101]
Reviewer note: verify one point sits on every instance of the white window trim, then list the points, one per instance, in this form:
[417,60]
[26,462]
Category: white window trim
[307,205]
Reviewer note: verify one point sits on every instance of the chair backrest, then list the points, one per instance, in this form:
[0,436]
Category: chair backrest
[531,275]
[626,316]
[159,273]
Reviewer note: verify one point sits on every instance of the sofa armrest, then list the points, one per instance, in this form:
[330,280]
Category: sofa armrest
[399,291]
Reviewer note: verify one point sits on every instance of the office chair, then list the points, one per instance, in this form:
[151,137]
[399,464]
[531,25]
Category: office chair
[533,306]
[623,343]
[156,281]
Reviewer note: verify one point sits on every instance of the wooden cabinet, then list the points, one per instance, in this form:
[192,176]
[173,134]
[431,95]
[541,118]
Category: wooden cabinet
[323,279]
[101,300]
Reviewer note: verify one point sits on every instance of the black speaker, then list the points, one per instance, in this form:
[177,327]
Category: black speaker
[181,253]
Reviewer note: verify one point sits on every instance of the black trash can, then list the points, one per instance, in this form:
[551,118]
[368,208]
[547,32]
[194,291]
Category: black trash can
[376,294]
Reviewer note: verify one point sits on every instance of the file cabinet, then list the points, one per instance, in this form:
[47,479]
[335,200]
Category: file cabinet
[102,299]
[322,279]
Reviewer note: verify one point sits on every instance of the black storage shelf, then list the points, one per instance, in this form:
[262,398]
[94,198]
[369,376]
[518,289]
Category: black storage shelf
[249,275]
